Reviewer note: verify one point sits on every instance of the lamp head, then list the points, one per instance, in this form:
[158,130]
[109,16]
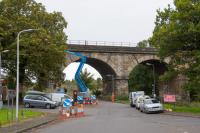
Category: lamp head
[5,51]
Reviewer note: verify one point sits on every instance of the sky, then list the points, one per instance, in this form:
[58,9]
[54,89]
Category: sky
[106,20]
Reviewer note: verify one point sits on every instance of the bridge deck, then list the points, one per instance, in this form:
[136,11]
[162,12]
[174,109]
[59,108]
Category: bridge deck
[111,49]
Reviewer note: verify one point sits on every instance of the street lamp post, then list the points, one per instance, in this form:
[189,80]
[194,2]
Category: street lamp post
[1,101]
[17,85]
[154,80]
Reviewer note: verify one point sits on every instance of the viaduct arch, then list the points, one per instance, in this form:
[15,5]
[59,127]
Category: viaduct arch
[116,62]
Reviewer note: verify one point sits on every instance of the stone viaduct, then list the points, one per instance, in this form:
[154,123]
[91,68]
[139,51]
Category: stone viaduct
[115,63]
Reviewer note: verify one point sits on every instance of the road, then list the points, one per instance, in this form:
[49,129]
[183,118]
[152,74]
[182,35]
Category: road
[119,118]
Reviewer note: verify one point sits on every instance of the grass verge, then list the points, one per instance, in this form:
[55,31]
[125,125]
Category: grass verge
[122,99]
[193,108]
[8,115]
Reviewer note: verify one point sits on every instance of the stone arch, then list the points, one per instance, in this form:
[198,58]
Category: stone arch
[148,57]
[159,68]
[105,70]
[102,67]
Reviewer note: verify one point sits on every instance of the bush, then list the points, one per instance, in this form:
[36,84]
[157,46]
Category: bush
[97,93]
[122,98]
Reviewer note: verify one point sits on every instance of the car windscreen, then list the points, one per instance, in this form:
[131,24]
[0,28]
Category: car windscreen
[151,101]
[48,98]
[28,97]
[155,101]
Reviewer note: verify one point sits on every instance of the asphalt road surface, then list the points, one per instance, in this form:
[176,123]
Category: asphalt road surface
[119,118]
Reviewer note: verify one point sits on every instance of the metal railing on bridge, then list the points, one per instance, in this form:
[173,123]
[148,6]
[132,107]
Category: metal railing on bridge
[101,43]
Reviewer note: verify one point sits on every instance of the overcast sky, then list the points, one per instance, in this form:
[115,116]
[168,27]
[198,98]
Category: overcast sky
[107,20]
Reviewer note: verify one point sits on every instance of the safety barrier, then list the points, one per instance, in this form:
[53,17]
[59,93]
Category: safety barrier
[71,112]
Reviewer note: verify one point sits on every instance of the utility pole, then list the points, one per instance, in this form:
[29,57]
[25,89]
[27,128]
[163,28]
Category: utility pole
[154,80]
[1,91]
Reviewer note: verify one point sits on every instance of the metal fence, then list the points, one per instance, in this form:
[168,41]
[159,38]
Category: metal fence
[101,43]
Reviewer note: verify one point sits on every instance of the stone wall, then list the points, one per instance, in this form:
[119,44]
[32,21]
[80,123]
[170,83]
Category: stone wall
[175,87]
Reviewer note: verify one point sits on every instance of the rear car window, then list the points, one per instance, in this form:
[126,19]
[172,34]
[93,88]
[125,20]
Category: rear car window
[33,97]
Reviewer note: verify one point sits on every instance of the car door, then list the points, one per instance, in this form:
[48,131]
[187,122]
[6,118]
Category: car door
[33,101]
[39,101]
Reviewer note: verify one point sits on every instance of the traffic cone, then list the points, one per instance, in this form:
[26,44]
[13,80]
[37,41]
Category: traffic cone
[113,97]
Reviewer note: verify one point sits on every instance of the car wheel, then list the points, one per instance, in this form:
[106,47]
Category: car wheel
[27,105]
[144,110]
[48,106]
[131,104]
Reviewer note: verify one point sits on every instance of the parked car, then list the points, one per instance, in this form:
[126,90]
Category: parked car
[133,96]
[139,101]
[151,106]
[39,101]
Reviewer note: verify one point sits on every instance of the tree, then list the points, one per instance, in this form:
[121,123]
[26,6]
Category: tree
[141,79]
[177,35]
[88,79]
[98,87]
[143,44]
[99,83]
[41,52]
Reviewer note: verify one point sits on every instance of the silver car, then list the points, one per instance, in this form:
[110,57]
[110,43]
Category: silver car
[39,101]
[151,106]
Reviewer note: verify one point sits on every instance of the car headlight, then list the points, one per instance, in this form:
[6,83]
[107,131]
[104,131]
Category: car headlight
[53,102]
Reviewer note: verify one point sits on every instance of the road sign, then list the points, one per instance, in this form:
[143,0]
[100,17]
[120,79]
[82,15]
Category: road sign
[93,97]
[80,98]
[67,103]
[170,98]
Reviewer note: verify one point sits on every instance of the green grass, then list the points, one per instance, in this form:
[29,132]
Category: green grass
[193,108]
[118,99]
[122,101]
[8,116]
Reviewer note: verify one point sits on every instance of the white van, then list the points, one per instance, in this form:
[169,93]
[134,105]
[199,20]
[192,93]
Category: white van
[133,96]
[140,100]
[58,97]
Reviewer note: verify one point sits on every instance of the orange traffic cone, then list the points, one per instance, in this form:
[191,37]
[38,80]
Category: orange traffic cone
[113,97]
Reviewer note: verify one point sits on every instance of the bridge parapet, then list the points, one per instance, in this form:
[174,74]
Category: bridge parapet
[101,43]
